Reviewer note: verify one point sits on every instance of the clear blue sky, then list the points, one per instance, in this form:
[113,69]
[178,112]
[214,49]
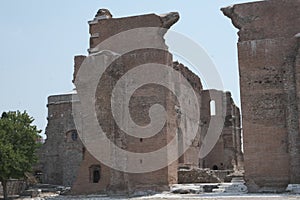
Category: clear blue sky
[38,40]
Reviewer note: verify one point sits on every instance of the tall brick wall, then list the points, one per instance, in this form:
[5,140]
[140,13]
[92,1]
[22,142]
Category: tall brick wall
[269,81]
[191,155]
[141,100]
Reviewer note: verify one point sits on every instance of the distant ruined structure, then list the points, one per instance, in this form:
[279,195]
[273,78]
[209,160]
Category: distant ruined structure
[227,152]
[65,159]
[269,64]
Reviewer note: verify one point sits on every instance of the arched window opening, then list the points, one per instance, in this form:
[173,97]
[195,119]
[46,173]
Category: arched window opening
[212,108]
[95,173]
[215,167]
[74,135]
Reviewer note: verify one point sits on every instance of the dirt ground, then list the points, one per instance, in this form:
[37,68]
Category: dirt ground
[169,196]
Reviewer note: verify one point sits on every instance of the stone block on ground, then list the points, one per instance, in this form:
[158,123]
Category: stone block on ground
[293,188]
[197,175]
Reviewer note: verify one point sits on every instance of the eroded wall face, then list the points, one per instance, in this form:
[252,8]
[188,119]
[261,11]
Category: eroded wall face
[140,102]
[191,156]
[269,84]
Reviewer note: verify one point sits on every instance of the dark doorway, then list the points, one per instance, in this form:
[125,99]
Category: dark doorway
[96,176]
[95,173]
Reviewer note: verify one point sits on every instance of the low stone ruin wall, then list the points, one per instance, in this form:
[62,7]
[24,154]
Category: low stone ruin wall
[14,187]
[197,175]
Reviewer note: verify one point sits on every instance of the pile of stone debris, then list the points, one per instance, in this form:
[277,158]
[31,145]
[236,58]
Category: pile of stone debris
[42,191]
[197,175]
[198,181]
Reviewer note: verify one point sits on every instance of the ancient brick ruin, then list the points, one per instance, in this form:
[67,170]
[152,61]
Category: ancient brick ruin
[65,160]
[61,155]
[227,153]
[269,63]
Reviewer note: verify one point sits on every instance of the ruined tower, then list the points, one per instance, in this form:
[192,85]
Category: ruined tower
[119,178]
[78,154]
[62,153]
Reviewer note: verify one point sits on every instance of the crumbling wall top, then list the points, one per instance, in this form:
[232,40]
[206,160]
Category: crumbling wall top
[104,26]
[265,19]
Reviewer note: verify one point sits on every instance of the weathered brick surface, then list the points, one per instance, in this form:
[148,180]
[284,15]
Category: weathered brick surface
[83,184]
[78,60]
[269,91]
[191,155]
